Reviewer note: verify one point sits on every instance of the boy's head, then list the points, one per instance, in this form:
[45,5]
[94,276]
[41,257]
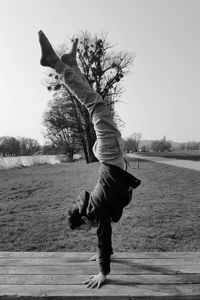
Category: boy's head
[77,221]
[74,217]
[76,214]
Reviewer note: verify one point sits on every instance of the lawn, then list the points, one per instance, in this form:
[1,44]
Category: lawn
[164,214]
[177,154]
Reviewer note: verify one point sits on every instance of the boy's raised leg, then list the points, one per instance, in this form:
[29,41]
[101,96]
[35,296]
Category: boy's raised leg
[108,147]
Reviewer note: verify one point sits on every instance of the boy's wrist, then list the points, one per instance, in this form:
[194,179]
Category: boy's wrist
[103,274]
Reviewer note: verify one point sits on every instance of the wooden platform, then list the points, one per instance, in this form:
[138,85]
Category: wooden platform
[135,275]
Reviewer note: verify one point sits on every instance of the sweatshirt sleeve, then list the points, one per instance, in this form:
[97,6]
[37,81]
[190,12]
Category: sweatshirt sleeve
[104,236]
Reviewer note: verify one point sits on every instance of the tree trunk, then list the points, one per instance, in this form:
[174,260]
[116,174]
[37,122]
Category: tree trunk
[85,150]
[70,155]
[90,140]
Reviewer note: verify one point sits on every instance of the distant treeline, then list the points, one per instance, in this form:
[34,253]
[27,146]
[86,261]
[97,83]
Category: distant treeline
[133,144]
[189,146]
[23,146]
[11,146]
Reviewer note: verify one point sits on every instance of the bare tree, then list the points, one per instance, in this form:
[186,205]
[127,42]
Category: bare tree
[193,145]
[161,145]
[61,126]
[131,144]
[29,146]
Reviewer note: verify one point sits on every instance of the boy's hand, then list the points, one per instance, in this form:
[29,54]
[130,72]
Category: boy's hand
[95,280]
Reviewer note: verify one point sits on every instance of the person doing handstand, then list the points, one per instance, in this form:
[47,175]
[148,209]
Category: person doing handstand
[113,191]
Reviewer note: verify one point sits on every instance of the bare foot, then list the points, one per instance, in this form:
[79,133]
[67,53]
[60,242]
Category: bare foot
[49,57]
[94,258]
[70,58]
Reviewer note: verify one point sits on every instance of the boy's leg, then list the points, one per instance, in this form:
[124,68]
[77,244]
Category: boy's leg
[108,148]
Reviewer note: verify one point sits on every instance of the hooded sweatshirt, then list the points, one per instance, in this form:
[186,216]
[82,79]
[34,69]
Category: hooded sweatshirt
[105,204]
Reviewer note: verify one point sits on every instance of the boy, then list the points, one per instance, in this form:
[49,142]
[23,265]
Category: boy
[113,190]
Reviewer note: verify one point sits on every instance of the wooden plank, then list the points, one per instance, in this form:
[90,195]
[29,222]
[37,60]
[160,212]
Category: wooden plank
[129,262]
[59,275]
[44,262]
[183,291]
[191,261]
[32,255]
[119,280]
[87,255]
[94,269]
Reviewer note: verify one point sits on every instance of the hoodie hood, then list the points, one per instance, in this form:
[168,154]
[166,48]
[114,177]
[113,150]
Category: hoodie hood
[127,179]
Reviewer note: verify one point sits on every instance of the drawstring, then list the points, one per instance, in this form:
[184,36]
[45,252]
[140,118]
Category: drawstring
[127,164]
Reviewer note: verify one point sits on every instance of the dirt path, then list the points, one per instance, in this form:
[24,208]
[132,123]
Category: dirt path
[189,164]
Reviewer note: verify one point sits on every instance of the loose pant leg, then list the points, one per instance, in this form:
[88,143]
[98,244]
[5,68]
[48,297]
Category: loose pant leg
[108,147]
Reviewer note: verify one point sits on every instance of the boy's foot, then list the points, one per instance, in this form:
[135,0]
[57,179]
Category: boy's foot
[94,258]
[49,57]
[70,58]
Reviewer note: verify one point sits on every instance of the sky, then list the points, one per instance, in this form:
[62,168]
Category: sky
[162,90]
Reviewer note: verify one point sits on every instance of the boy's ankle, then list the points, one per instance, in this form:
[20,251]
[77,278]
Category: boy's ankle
[60,67]
[70,58]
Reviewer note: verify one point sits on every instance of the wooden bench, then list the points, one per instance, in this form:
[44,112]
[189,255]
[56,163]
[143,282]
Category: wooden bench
[135,275]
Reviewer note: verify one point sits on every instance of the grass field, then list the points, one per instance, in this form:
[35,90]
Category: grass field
[164,214]
[177,154]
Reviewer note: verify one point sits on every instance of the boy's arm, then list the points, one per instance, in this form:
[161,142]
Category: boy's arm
[104,233]
[104,240]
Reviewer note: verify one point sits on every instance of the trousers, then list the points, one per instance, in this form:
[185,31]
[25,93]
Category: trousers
[108,147]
